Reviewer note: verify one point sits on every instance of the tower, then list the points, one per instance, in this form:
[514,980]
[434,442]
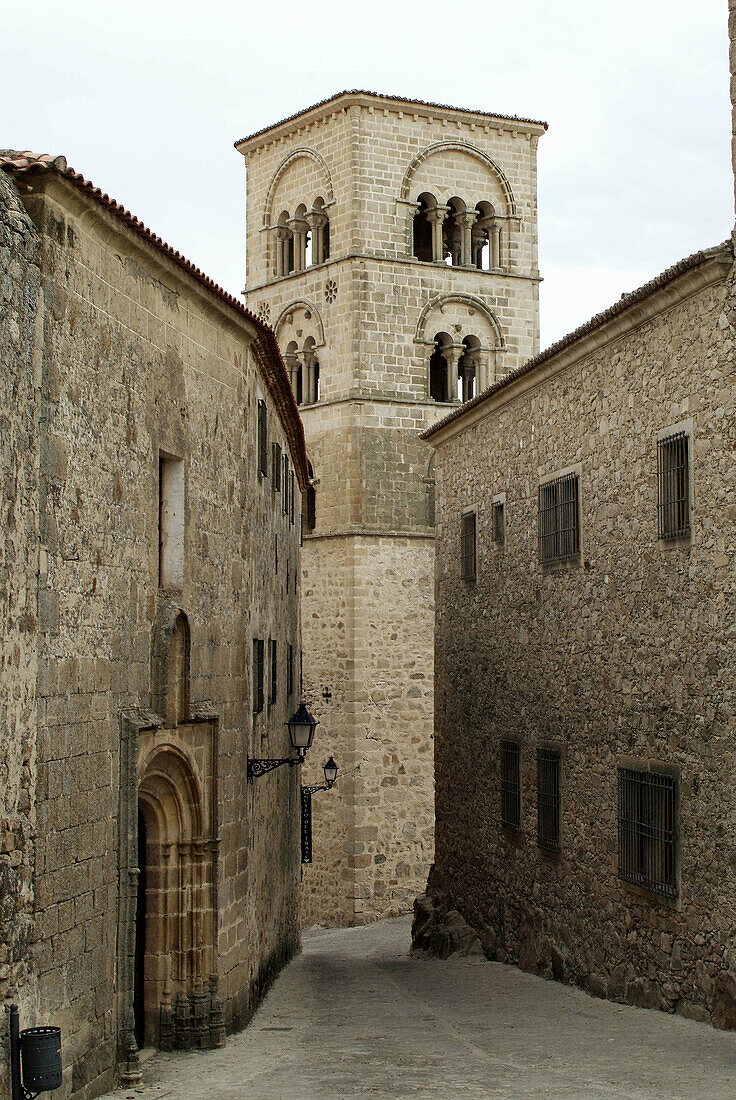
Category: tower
[392,245]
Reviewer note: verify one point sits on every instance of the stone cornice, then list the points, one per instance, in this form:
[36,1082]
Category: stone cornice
[372,101]
[673,287]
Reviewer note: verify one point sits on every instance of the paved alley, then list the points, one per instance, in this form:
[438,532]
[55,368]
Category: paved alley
[355,1015]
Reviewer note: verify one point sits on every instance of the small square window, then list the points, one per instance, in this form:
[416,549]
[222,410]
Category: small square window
[511,785]
[673,485]
[468,547]
[559,519]
[548,799]
[647,830]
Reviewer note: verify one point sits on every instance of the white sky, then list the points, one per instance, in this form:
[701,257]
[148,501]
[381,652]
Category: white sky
[146,100]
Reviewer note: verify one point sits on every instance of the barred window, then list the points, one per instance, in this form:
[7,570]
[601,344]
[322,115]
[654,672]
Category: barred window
[559,523]
[276,466]
[498,524]
[548,799]
[262,438]
[647,830]
[467,547]
[257,675]
[274,663]
[511,785]
[673,483]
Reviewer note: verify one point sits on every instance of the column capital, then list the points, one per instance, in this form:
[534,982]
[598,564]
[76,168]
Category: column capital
[453,353]
[437,213]
[466,218]
[283,233]
[316,219]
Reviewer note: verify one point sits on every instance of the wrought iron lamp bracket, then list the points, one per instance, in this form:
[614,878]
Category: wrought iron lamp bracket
[256,768]
[313,790]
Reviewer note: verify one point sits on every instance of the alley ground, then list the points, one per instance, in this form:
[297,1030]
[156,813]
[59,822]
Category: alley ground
[355,1015]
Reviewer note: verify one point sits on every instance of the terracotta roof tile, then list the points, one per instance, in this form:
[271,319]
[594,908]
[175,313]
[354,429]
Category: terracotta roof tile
[267,350]
[624,302]
[395,98]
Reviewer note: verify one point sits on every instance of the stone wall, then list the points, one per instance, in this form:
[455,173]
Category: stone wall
[371,313]
[624,656]
[138,359]
[19,280]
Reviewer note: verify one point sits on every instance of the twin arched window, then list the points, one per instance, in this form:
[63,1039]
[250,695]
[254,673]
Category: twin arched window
[457,371]
[457,235]
[303,367]
[302,240]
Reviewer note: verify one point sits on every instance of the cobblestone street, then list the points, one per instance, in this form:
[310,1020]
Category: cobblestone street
[355,1015]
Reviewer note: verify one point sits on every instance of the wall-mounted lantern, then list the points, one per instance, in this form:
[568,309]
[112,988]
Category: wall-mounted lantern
[39,1051]
[301,731]
[330,770]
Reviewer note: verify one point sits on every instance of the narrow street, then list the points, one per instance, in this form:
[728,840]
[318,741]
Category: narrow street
[356,1015]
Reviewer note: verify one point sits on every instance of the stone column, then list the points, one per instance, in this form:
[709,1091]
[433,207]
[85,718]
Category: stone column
[482,377]
[299,230]
[436,217]
[317,222]
[465,221]
[310,387]
[495,235]
[453,353]
[283,235]
[291,359]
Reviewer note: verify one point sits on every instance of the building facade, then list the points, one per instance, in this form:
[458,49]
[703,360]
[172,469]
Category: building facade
[585,653]
[393,247]
[150,893]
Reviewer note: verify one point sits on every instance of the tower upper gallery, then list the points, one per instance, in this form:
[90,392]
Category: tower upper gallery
[369,175]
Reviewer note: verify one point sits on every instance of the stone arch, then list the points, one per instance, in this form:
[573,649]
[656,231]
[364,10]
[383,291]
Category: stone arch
[422,335]
[296,154]
[176,901]
[469,150]
[313,324]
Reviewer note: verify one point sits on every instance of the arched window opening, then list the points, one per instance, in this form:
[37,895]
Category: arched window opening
[299,231]
[423,244]
[310,372]
[440,388]
[452,235]
[468,369]
[319,225]
[486,238]
[294,368]
[177,673]
[310,502]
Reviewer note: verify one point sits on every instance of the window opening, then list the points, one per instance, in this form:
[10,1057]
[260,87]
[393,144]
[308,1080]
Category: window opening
[548,799]
[276,466]
[511,785]
[274,670]
[170,522]
[468,547]
[673,482]
[647,830]
[262,438]
[422,229]
[257,675]
[498,524]
[559,525]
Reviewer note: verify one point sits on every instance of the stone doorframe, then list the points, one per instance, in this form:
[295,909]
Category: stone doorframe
[137,724]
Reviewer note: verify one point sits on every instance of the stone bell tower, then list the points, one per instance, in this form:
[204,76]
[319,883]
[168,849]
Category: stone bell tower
[392,245]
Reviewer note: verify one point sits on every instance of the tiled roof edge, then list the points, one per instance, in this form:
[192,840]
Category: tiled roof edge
[395,98]
[597,321]
[266,347]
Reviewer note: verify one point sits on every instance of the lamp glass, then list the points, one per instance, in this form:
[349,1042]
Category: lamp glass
[330,770]
[301,728]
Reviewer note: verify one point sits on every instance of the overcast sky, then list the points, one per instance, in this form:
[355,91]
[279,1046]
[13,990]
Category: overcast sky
[146,100]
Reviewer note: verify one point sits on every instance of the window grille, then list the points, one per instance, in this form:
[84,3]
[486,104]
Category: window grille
[511,785]
[467,548]
[673,483]
[276,466]
[262,438]
[498,522]
[286,485]
[646,830]
[559,524]
[274,662]
[257,675]
[548,799]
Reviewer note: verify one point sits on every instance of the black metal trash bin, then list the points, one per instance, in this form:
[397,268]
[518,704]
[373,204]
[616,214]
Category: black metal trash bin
[40,1052]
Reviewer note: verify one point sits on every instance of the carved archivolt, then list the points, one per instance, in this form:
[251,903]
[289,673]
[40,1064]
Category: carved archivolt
[469,150]
[472,315]
[296,154]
